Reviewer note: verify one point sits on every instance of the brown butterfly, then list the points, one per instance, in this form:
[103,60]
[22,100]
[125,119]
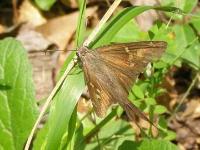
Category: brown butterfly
[111,70]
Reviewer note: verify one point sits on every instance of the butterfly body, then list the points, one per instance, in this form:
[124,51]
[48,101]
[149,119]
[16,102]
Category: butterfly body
[111,70]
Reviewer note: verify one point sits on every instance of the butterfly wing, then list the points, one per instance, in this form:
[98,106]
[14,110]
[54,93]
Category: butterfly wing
[97,83]
[128,60]
[111,70]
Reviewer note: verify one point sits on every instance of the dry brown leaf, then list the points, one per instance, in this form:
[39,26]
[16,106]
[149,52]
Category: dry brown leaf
[70,3]
[59,30]
[197,111]
[31,39]
[43,67]
[30,14]
[192,109]
[2,29]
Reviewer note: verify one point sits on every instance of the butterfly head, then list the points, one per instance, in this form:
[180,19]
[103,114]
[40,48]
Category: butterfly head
[81,54]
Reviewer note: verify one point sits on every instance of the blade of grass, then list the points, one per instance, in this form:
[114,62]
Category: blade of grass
[102,22]
[107,33]
[65,102]
[62,109]
[81,28]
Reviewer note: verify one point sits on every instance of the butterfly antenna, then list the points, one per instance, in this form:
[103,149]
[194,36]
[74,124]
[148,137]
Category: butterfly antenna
[53,50]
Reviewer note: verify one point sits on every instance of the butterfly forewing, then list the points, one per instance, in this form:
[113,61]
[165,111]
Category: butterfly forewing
[95,79]
[128,60]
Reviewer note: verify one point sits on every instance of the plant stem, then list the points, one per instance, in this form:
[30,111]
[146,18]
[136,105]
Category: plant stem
[102,22]
[186,94]
[98,127]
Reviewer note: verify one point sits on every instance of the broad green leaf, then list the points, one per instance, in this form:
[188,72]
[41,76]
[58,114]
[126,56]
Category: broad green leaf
[168,3]
[184,35]
[182,43]
[128,33]
[192,55]
[186,43]
[166,33]
[195,21]
[45,4]
[159,65]
[148,145]
[189,5]
[150,101]
[159,109]
[138,92]
[162,122]
[18,109]
[160,91]
[170,136]
[196,24]
[166,134]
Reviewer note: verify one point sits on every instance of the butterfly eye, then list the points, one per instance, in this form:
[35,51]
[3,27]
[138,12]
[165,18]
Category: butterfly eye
[77,54]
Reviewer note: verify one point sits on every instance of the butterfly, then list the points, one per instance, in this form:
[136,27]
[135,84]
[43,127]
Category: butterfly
[110,72]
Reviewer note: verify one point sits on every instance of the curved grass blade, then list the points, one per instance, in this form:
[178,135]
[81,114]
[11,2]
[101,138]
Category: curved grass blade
[113,26]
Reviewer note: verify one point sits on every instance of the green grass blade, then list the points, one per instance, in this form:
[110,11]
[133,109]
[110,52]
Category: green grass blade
[113,27]
[81,27]
[62,109]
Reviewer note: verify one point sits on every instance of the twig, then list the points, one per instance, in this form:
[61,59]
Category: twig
[102,22]
[186,94]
